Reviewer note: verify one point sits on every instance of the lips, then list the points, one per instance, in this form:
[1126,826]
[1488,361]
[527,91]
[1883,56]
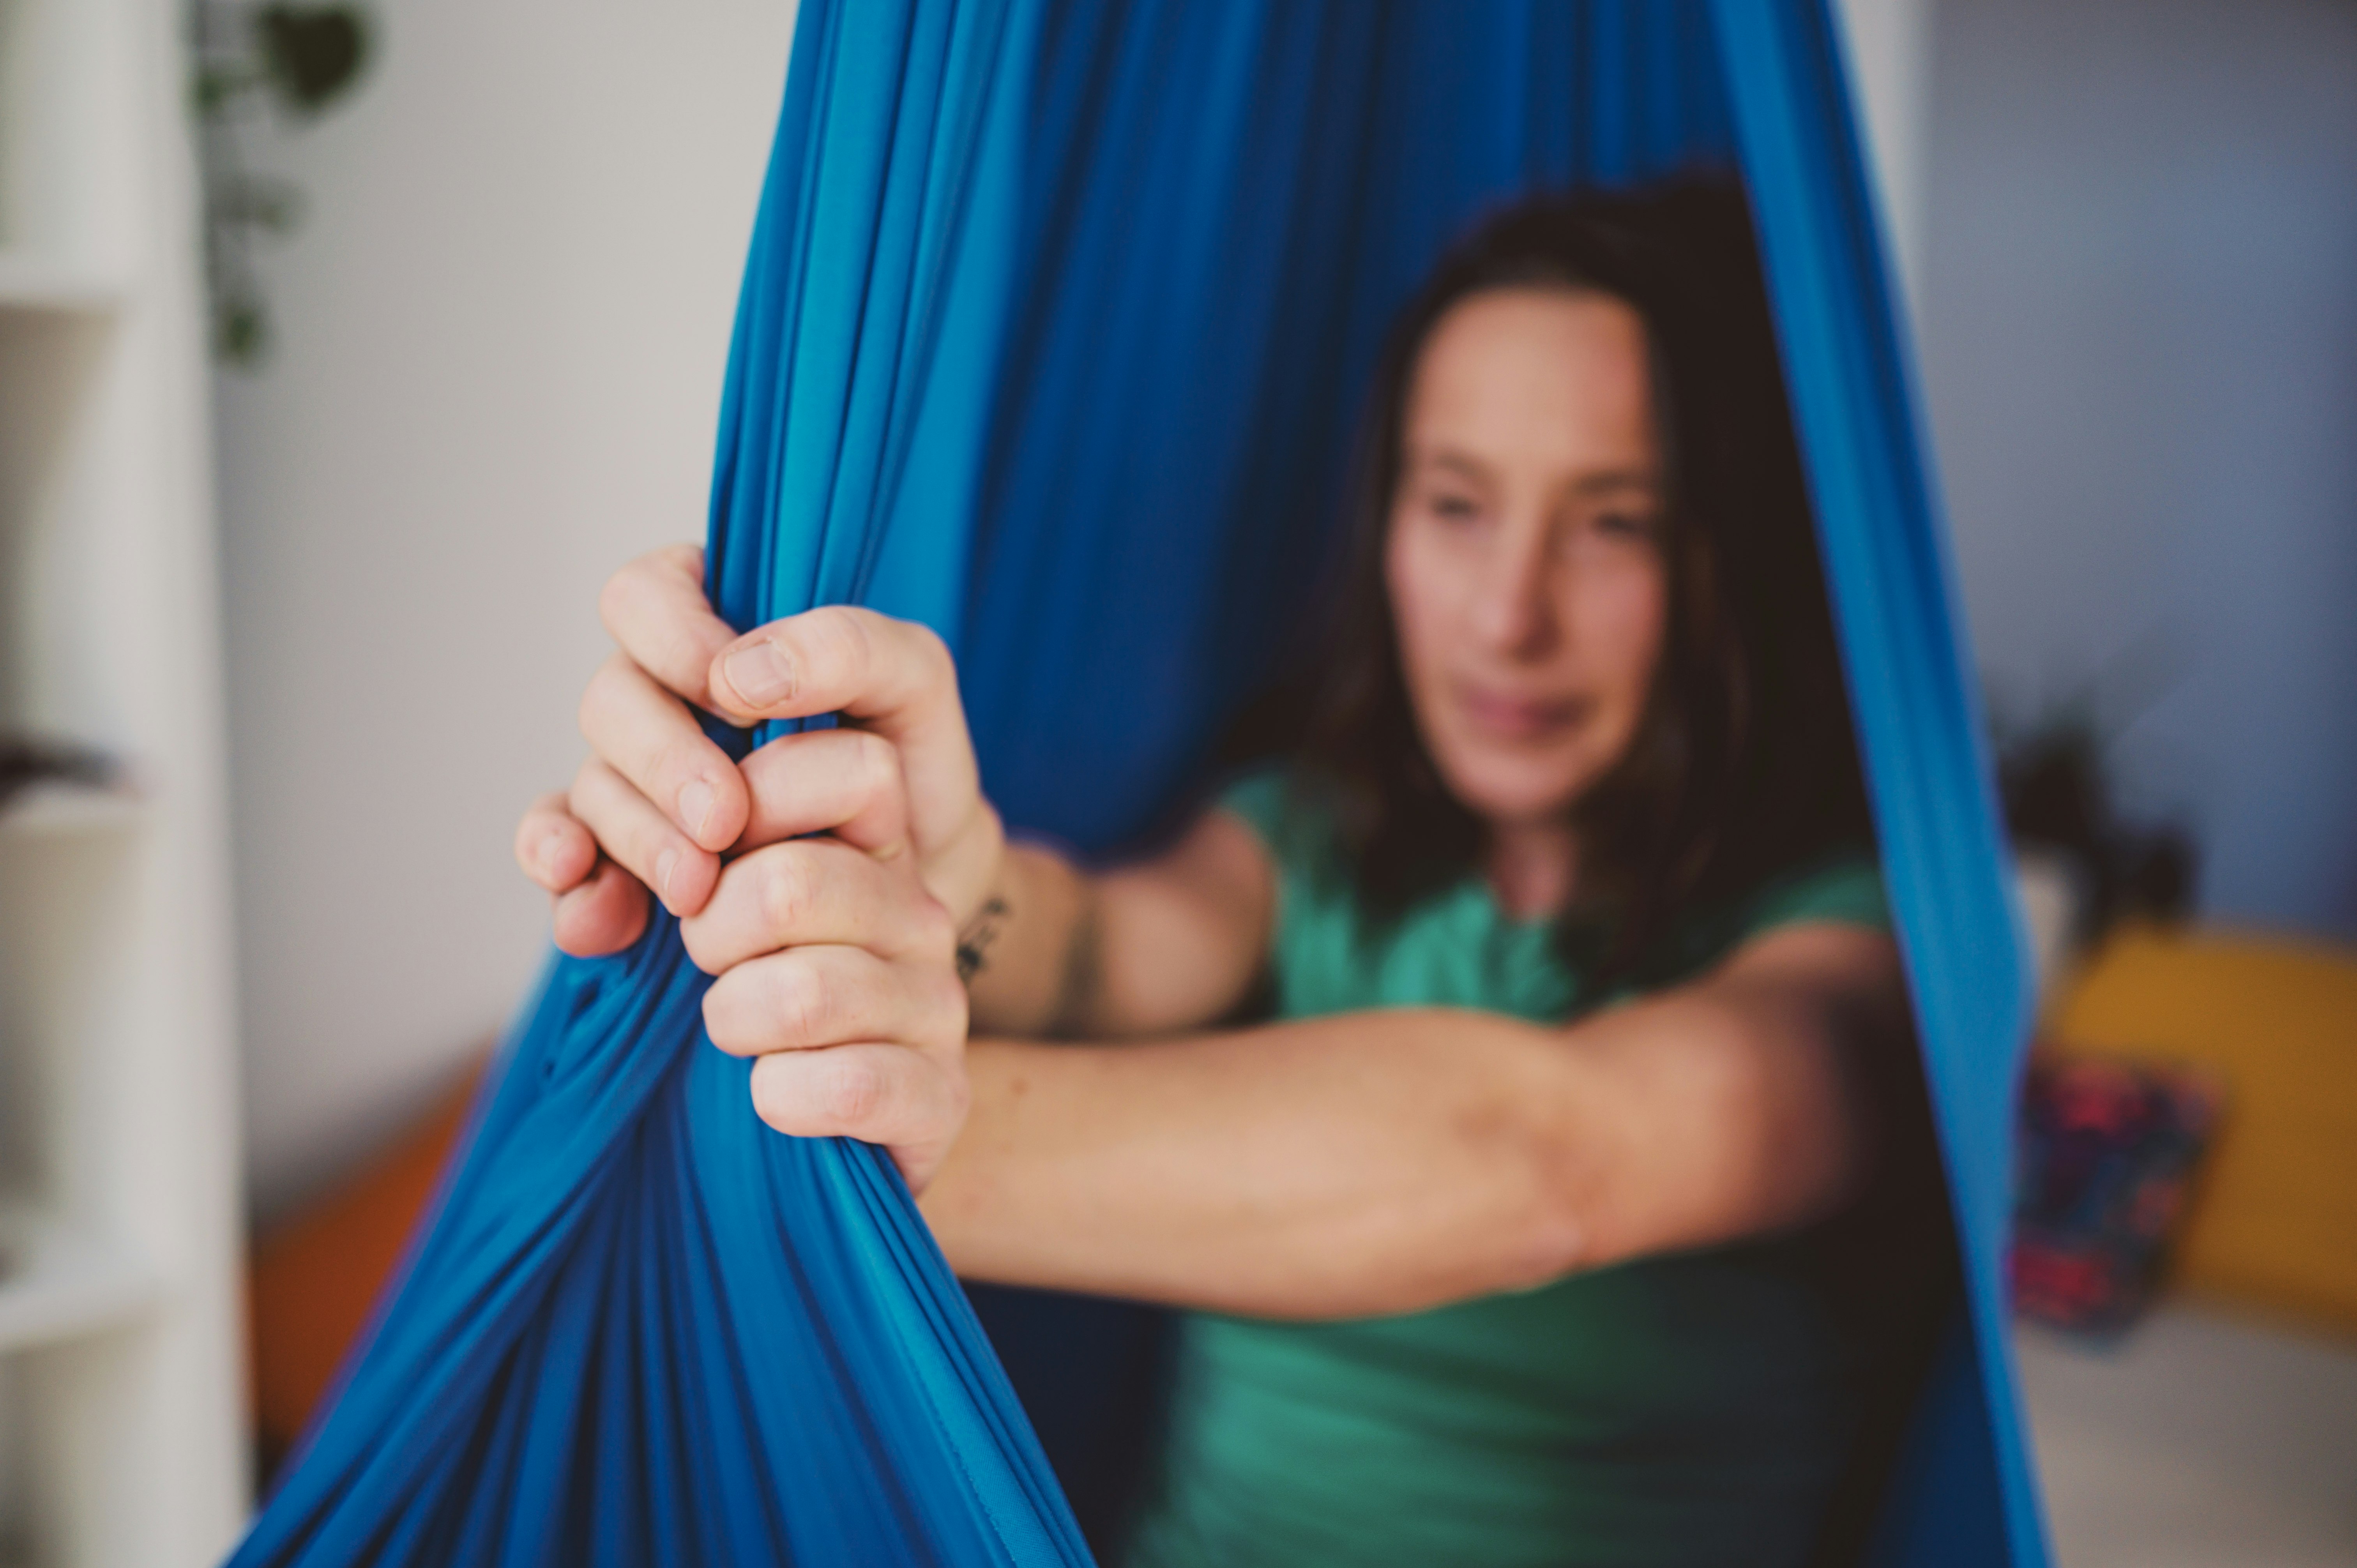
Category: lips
[1509,715]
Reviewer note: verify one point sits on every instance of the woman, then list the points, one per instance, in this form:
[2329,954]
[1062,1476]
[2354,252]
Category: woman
[1521,1234]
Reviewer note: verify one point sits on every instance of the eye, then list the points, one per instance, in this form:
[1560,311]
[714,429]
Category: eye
[1629,524]
[1452,505]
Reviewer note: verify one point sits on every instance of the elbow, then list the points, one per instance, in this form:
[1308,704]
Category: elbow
[1555,1236]
[1730,1138]
[1577,1219]
[1563,1215]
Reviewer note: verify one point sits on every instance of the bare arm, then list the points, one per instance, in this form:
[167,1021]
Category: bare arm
[1356,1164]
[1383,1162]
[1169,943]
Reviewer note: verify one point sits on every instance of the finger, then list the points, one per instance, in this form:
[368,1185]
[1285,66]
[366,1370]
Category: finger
[815,891]
[642,841]
[656,610]
[649,737]
[813,996]
[894,677]
[604,915]
[843,781]
[877,1093]
[554,850]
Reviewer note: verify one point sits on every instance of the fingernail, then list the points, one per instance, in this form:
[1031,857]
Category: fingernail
[695,805]
[552,843]
[759,673]
[665,864]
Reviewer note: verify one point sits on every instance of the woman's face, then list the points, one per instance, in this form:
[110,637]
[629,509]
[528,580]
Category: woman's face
[1524,557]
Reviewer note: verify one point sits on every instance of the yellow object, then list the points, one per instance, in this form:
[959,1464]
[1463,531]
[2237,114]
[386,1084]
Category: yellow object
[2275,1218]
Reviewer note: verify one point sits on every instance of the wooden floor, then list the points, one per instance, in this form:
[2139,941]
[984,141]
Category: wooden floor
[2202,1440]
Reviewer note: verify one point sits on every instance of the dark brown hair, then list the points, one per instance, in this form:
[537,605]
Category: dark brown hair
[1743,763]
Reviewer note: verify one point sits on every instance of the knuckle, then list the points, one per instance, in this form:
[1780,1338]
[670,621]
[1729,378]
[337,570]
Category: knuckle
[835,640]
[538,819]
[785,892]
[679,757]
[773,1099]
[720,1015]
[678,658]
[935,650]
[807,1001]
[877,763]
[603,699]
[854,1091]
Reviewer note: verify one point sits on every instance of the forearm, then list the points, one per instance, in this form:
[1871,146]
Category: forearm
[1030,954]
[1151,948]
[1383,1162]
[1362,1163]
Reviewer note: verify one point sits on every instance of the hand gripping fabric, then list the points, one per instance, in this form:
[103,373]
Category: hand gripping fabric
[1055,324]
[643,1329]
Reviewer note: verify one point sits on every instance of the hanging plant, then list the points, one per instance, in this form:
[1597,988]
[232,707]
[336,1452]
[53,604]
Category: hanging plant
[297,61]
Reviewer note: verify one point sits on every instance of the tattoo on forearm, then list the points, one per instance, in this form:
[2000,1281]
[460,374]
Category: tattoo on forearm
[974,942]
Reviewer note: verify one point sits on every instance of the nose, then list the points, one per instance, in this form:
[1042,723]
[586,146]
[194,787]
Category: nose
[1515,611]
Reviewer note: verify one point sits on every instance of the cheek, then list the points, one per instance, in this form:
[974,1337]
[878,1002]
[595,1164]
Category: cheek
[1629,611]
[1417,576]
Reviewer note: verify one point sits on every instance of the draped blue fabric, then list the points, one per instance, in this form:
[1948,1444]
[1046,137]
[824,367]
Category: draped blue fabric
[643,1329]
[1053,331]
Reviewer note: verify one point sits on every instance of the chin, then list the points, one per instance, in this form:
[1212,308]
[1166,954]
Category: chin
[1511,785]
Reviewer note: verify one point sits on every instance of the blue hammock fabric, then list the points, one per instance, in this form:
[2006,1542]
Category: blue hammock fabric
[1055,321]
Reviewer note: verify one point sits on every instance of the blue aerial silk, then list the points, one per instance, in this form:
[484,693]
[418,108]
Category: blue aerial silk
[1055,322]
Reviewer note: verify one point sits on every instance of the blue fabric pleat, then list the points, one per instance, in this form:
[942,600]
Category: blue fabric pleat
[1054,334]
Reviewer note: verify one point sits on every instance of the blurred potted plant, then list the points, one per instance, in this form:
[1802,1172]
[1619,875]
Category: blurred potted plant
[297,60]
[2060,796]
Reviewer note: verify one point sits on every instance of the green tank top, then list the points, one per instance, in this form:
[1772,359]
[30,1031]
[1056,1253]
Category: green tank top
[1689,1408]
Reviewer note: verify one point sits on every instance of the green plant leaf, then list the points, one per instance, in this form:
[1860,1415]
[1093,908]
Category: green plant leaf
[314,52]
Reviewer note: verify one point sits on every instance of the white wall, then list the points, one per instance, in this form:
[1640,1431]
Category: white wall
[1888,44]
[2140,342]
[499,341]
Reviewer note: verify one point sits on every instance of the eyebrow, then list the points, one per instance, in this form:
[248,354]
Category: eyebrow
[1607,483]
[1618,480]
[1471,467]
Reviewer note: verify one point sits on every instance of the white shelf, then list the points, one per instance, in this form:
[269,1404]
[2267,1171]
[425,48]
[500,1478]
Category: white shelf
[58,1283]
[122,1435]
[32,282]
[69,811]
